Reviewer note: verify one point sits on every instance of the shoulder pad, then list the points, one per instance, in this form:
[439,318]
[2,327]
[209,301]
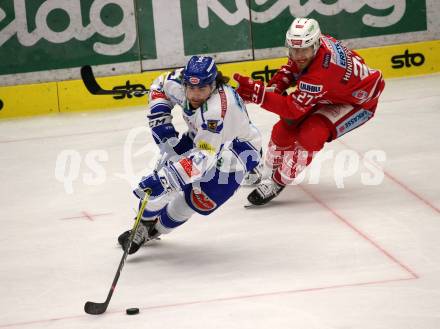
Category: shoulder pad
[214,110]
[173,87]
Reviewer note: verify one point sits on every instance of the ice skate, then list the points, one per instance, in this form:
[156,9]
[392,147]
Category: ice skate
[145,232]
[266,191]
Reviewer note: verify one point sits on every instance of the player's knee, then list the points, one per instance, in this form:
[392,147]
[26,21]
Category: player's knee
[283,135]
[172,217]
[313,133]
[179,210]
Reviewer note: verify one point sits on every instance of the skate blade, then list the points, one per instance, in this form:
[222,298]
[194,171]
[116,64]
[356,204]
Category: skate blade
[251,205]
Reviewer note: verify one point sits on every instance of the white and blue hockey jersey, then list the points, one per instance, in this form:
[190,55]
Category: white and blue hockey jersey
[219,132]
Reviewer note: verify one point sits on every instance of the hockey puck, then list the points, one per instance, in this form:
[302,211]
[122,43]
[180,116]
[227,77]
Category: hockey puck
[132,311]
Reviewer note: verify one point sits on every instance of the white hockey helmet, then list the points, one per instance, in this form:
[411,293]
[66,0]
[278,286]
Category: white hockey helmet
[303,33]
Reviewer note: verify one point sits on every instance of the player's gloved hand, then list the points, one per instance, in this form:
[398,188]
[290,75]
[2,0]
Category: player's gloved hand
[250,90]
[158,183]
[184,144]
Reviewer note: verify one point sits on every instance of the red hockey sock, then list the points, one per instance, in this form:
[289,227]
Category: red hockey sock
[311,137]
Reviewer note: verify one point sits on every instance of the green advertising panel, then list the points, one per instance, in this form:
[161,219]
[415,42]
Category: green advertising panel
[145,20]
[37,35]
[341,19]
[215,26]
[42,35]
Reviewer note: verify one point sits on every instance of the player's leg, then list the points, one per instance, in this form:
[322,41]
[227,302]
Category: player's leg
[300,145]
[176,213]
[324,125]
[282,139]
[244,156]
[254,176]
[203,198]
[146,229]
[282,142]
[311,135]
[164,214]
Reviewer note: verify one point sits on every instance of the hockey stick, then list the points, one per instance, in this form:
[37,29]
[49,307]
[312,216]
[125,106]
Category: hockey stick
[94,88]
[99,308]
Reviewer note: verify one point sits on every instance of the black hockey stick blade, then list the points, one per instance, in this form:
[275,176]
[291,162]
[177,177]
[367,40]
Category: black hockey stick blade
[93,86]
[95,308]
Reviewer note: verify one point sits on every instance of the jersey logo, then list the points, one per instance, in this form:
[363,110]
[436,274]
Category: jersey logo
[353,121]
[341,56]
[310,88]
[188,167]
[157,94]
[339,52]
[326,61]
[362,95]
[202,202]
[206,147]
[212,125]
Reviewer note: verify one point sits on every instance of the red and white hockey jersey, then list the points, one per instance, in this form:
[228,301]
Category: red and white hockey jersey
[336,75]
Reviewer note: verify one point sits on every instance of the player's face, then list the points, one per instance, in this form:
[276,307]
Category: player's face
[197,95]
[301,56]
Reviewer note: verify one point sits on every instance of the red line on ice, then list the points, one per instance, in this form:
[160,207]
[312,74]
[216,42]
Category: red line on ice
[398,182]
[362,234]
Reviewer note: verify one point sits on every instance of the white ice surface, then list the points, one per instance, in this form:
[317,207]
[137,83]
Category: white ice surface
[318,257]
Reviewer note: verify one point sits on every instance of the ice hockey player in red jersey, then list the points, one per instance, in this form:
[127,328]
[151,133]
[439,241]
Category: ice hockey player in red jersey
[336,92]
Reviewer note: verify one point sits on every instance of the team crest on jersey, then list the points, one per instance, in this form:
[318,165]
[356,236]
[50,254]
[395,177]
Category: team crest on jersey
[213,126]
[310,88]
[202,201]
[360,94]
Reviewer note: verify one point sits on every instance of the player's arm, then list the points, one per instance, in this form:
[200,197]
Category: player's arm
[174,176]
[159,112]
[292,106]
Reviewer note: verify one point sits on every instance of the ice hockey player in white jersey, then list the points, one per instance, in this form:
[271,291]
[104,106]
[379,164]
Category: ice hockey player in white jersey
[203,167]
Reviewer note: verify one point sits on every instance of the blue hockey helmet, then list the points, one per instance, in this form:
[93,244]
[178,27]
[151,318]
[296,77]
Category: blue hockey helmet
[200,71]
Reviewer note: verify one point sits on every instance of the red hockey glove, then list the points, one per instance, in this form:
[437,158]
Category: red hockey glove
[250,90]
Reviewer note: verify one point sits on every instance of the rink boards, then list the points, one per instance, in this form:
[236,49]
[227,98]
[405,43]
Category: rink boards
[71,96]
